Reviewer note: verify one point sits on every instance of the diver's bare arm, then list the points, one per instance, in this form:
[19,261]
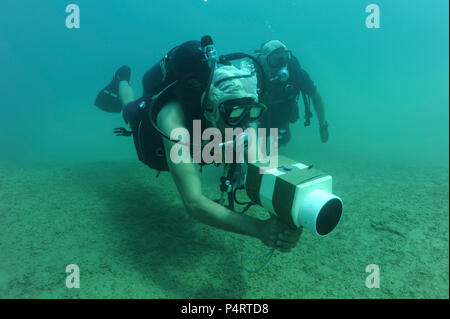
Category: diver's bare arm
[207,211]
[319,107]
[188,182]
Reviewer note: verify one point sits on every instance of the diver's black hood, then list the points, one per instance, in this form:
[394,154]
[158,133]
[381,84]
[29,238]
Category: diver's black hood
[188,61]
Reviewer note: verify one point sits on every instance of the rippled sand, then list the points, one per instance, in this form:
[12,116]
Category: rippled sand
[130,236]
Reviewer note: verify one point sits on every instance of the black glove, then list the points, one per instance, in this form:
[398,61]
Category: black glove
[121,131]
[324,132]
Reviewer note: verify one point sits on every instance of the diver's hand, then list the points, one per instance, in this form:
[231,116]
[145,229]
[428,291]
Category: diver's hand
[324,132]
[121,131]
[278,235]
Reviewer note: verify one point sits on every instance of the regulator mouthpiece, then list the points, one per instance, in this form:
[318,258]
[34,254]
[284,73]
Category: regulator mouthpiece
[240,140]
[282,75]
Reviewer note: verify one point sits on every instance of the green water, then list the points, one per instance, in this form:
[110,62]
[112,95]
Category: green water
[73,193]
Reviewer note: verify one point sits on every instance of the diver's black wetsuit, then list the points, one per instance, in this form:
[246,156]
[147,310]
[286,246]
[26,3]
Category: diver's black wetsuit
[282,100]
[187,65]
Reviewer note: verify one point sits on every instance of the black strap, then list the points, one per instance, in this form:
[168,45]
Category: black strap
[308,114]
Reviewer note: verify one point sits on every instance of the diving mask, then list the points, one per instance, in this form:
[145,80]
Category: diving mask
[279,58]
[237,111]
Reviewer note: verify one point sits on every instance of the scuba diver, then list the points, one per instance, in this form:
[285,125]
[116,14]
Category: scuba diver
[192,83]
[286,81]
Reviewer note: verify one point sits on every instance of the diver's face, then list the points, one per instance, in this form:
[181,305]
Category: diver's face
[239,137]
[222,126]
[279,58]
[277,63]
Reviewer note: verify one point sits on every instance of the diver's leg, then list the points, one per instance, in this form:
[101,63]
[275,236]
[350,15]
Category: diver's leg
[126,93]
[117,93]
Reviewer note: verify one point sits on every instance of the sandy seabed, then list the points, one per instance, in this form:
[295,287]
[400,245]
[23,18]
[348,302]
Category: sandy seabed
[131,237]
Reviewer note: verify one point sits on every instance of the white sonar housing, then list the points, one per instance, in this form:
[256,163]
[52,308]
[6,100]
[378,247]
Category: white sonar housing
[298,194]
